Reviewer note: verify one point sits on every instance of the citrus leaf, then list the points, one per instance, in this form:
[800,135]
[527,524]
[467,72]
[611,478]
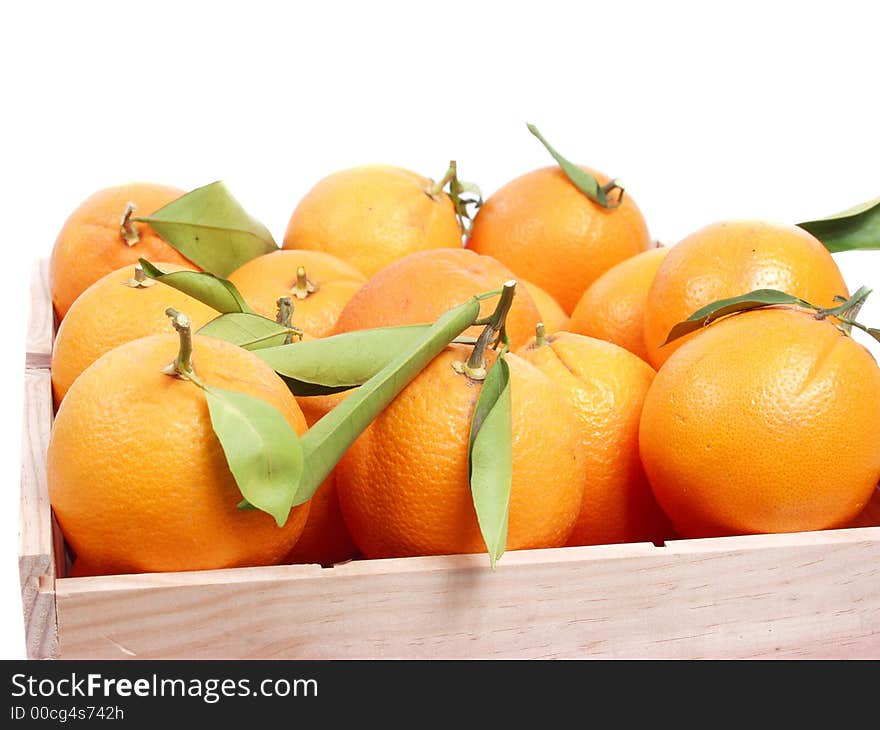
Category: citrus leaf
[211,229]
[853,229]
[248,331]
[491,458]
[325,443]
[339,362]
[263,451]
[581,179]
[753,300]
[301,389]
[217,293]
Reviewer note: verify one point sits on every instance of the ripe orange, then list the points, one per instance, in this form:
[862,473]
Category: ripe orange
[607,386]
[403,485]
[325,539]
[870,515]
[318,297]
[769,421]
[613,308]
[729,259]
[91,242]
[373,215]
[422,286]
[113,311]
[137,478]
[552,314]
[548,232]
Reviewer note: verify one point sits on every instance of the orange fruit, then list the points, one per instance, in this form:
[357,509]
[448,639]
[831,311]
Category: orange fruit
[870,515]
[729,259]
[325,539]
[403,485]
[607,386]
[769,421]
[420,287]
[113,311]
[80,569]
[613,308]
[137,478]
[91,243]
[373,215]
[552,314]
[548,232]
[317,299]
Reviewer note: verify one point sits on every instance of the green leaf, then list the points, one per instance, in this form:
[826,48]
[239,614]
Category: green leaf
[264,453]
[211,229]
[248,331]
[491,458]
[853,229]
[326,441]
[583,180]
[217,293]
[753,300]
[340,362]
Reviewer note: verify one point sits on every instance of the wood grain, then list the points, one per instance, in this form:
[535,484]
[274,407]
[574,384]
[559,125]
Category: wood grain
[36,535]
[41,330]
[804,595]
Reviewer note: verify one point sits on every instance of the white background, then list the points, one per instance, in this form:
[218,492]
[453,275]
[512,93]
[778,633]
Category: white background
[705,111]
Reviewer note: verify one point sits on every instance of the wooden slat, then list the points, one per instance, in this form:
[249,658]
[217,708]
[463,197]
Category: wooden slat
[36,538]
[803,595]
[41,329]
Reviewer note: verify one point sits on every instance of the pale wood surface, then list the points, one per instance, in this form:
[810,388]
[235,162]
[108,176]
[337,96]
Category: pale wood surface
[42,318]
[36,535]
[804,595]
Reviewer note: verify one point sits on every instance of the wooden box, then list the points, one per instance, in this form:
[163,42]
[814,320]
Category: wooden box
[794,595]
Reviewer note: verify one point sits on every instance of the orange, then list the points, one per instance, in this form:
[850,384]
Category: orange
[422,286]
[870,516]
[91,243]
[373,215]
[607,386]
[113,311]
[729,259]
[137,478]
[403,485]
[80,569]
[552,314]
[325,539]
[769,421]
[548,232]
[613,308]
[318,297]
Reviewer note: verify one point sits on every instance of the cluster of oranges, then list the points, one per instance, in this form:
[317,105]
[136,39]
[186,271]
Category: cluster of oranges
[766,421]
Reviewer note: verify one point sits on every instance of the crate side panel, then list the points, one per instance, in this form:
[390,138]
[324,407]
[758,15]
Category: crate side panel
[800,600]
[35,525]
[36,535]
[41,329]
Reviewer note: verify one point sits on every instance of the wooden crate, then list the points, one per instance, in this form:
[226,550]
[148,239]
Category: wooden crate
[795,595]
